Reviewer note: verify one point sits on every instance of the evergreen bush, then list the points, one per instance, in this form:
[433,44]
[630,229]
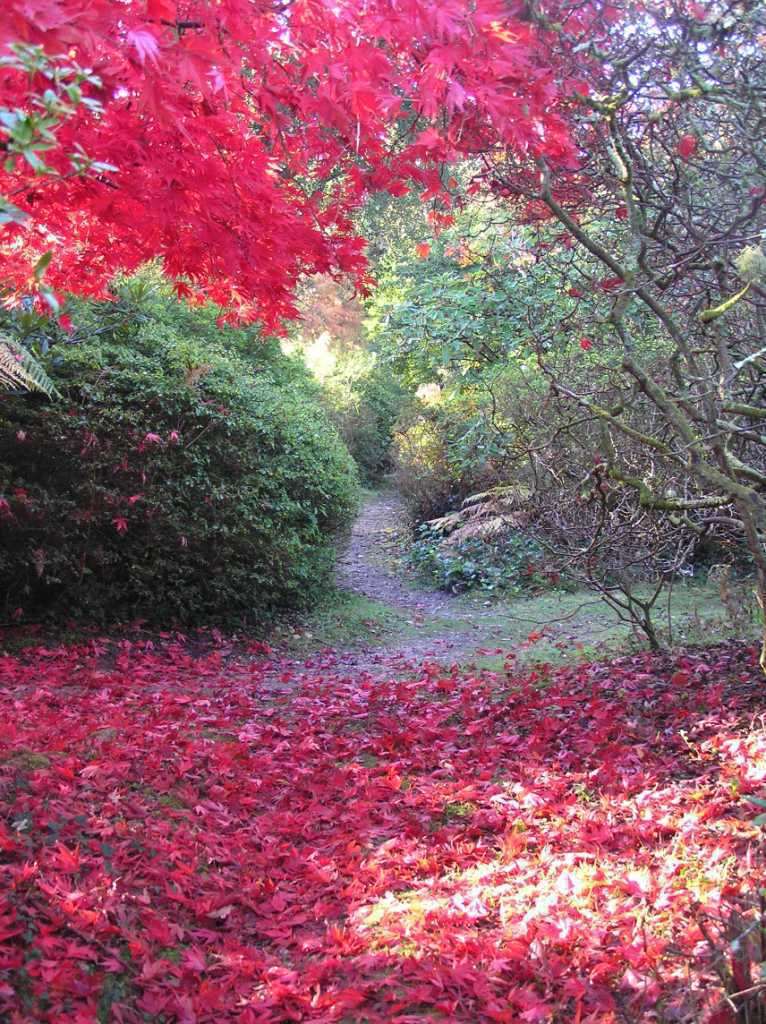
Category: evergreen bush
[189,474]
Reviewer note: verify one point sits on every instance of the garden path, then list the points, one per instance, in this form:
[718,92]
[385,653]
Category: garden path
[448,628]
[369,564]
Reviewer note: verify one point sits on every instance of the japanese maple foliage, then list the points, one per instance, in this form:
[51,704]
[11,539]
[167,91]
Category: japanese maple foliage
[234,139]
[213,839]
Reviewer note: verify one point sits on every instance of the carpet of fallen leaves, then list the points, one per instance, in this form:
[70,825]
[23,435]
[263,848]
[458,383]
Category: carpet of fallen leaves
[219,839]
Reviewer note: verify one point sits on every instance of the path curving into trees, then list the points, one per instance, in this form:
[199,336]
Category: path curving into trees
[369,566]
[366,565]
[454,628]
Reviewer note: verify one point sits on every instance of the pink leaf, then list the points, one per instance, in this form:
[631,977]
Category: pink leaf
[145,44]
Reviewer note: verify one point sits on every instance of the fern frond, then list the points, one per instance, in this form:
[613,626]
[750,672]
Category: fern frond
[511,494]
[20,371]
[486,515]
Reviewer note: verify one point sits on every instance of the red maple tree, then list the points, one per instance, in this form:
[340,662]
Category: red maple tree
[235,139]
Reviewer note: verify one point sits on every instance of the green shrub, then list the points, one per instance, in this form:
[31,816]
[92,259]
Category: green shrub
[365,402]
[511,564]
[432,471]
[188,475]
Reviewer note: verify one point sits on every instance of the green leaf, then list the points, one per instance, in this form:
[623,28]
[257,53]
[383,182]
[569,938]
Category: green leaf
[50,298]
[42,265]
[11,214]
[34,161]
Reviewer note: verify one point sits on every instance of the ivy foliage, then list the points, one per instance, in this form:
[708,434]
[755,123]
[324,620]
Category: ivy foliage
[188,474]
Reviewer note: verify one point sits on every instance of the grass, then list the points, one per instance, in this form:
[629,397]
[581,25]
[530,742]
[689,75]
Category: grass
[581,626]
[570,626]
[345,621]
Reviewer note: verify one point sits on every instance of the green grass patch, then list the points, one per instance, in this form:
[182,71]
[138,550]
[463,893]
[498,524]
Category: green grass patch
[559,627]
[345,621]
[458,809]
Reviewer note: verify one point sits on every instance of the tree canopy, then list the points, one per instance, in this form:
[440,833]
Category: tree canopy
[234,139]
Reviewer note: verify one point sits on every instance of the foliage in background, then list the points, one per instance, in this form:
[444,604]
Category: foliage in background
[362,397]
[487,322]
[188,474]
[436,465]
[365,401]
[449,320]
[512,563]
[659,232]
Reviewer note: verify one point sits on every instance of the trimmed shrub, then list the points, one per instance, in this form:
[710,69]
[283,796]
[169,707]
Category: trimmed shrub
[189,475]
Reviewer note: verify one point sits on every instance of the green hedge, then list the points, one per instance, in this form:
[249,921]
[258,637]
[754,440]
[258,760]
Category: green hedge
[188,475]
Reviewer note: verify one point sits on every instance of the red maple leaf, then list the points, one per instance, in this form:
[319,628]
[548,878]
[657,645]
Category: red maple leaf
[687,146]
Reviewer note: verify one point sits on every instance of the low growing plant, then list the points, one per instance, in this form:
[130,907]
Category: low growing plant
[509,564]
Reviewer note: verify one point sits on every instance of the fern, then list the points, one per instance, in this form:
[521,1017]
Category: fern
[20,371]
[486,516]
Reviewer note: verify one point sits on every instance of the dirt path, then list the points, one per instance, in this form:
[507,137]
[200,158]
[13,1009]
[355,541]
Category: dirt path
[408,624]
[452,629]
[367,567]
